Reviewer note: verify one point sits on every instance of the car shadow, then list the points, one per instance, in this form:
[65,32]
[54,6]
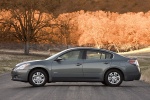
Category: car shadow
[80,85]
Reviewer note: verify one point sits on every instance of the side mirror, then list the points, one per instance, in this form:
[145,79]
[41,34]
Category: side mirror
[58,59]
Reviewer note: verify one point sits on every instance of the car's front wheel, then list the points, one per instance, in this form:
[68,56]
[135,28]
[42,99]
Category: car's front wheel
[103,82]
[113,77]
[38,77]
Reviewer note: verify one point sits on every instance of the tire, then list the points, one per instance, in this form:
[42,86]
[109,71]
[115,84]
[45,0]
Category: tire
[38,77]
[103,82]
[113,78]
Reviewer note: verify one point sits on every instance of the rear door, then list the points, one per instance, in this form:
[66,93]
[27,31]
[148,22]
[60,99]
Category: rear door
[95,62]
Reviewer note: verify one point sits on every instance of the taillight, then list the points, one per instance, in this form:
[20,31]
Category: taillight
[133,61]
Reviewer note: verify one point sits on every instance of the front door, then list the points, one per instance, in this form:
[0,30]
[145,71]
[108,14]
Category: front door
[69,68]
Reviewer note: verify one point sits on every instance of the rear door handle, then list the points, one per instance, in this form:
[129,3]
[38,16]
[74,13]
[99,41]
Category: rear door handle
[78,64]
[106,62]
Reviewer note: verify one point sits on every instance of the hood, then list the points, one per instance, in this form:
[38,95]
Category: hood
[32,61]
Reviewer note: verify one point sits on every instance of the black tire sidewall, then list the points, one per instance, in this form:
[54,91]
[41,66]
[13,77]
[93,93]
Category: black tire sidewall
[103,82]
[106,78]
[31,74]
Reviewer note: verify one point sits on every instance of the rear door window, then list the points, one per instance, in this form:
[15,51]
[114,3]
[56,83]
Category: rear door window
[96,54]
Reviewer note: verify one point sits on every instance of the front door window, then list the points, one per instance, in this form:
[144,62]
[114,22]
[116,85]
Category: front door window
[71,56]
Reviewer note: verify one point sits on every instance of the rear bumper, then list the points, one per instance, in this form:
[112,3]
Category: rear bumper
[132,76]
[20,75]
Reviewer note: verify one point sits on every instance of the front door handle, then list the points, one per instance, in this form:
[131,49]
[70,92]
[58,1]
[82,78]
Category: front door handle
[78,64]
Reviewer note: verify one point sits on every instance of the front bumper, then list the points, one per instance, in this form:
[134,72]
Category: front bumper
[20,75]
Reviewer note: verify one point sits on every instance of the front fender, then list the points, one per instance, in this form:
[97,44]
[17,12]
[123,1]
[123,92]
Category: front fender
[47,69]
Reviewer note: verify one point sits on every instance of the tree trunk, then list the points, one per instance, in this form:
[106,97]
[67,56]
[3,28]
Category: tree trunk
[66,42]
[116,48]
[26,47]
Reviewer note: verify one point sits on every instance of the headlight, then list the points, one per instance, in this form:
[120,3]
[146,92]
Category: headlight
[22,66]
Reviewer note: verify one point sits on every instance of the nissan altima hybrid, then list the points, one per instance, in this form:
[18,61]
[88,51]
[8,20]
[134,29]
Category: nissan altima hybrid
[80,64]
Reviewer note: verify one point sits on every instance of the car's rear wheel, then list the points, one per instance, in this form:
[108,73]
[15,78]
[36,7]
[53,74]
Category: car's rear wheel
[38,77]
[113,77]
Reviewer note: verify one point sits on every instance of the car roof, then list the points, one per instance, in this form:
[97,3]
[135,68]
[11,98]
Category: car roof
[90,48]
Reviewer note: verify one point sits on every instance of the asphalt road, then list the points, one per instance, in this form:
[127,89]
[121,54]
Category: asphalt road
[10,90]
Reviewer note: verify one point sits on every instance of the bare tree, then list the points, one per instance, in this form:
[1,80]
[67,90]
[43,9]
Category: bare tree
[66,26]
[27,18]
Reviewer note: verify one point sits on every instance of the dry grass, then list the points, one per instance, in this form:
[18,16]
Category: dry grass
[145,75]
[8,60]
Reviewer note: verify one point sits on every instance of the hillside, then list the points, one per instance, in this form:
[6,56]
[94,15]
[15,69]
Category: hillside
[120,6]
[137,52]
